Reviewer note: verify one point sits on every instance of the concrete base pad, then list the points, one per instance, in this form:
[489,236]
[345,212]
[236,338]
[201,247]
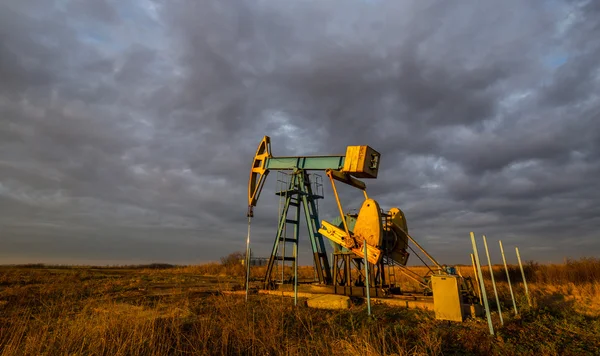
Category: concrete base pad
[329,301]
[411,303]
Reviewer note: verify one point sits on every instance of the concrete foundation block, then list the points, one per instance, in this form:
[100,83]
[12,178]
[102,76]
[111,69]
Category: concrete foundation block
[329,301]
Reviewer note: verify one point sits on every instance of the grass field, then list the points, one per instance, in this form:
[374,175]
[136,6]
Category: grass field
[165,310]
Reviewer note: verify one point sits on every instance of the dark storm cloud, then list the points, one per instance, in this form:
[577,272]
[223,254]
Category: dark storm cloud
[127,129]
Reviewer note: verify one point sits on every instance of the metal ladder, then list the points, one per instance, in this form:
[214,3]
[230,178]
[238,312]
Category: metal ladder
[299,197]
[286,200]
[391,272]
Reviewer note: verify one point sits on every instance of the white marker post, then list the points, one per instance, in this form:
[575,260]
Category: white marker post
[296,272]
[248,259]
[524,279]
[512,295]
[483,294]
[367,279]
[476,278]
[487,252]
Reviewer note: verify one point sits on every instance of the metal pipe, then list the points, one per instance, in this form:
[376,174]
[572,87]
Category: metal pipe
[483,293]
[283,253]
[296,273]
[524,279]
[248,258]
[367,279]
[296,243]
[282,186]
[332,268]
[487,253]
[423,250]
[420,259]
[476,279]
[512,295]
[339,204]
[405,270]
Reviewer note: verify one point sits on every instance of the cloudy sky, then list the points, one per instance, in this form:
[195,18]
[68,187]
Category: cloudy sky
[127,128]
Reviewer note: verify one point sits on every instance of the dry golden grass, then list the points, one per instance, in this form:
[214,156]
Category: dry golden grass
[172,311]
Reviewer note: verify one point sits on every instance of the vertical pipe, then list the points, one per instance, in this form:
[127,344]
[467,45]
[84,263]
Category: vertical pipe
[339,204]
[248,259]
[333,268]
[281,188]
[476,278]
[367,279]
[296,273]
[332,262]
[523,274]
[483,293]
[487,253]
[297,238]
[512,295]
[283,253]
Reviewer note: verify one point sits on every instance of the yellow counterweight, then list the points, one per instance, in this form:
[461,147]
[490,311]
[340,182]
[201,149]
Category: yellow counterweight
[368,229]
[379,234]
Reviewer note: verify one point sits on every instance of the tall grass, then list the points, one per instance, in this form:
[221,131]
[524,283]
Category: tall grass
[582,271]
[177,311]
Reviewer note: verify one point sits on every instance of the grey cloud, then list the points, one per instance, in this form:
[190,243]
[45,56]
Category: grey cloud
[100,10]
[127,129]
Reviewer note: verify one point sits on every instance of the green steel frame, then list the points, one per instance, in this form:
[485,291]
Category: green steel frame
[299,195]
[316,163]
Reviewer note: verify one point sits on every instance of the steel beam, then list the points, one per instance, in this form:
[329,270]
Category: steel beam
[319,163]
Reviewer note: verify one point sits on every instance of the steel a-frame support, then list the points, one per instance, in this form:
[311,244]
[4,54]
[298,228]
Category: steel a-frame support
[299,197]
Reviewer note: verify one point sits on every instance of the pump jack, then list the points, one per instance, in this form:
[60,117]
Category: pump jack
[384,232]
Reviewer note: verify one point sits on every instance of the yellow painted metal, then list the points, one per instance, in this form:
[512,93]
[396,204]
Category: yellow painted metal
[361,161]
[398,226]
[258,172]
[398,218]
[347,178]
[337,200]
[373,254]
[344,237]
[446,297]
[336,235]
[339,236]
[368,224]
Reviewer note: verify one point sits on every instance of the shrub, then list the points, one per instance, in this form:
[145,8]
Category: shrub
[232,259]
